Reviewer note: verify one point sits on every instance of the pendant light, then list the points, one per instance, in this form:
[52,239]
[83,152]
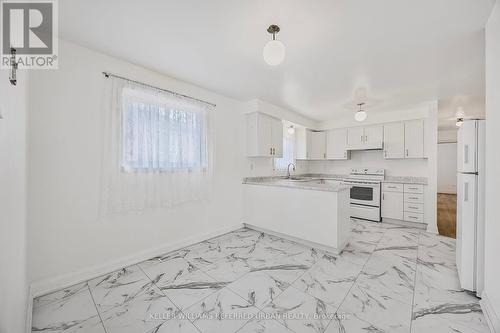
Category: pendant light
[361,114]
[274,50]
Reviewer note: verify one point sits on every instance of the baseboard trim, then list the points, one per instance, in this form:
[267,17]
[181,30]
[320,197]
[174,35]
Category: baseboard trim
[46,286]
[29,311]
[416,225]
[492,317]
[295,239]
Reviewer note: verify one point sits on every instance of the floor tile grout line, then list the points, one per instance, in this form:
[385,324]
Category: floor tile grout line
[96,308]
[414,284]
[164,294]
[356,279]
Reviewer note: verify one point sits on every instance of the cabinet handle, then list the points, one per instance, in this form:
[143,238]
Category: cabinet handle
[385,153]
[383,196]
[345,154]
[406,152]
[270,151]
[274,151]
[412,207]
[361,138]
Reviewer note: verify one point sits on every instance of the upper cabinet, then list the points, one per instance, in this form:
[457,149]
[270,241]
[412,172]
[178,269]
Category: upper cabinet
[362,138]
[394,140]
[404,140]
[414,139]
[264,135]
[316,145]
[336,144]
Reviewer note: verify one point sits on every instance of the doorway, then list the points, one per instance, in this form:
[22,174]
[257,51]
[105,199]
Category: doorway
[447,189]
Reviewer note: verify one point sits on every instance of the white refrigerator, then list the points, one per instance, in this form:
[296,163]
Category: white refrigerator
[470,205]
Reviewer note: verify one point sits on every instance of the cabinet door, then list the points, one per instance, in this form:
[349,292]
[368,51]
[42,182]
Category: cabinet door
[392,205]
[336,144]
[277,137]
[394,140]
[317,145]
[264,135]
[374,136]
[414,139]
[355,137]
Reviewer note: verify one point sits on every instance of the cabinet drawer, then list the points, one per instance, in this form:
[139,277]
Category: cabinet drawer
[414,197]
[392,187]
[414,217]
[414,188]
[414,207]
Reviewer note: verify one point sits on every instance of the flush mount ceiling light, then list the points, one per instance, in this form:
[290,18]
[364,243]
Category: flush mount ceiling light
[291,130]
[274,51]
[360,115]
[460,122]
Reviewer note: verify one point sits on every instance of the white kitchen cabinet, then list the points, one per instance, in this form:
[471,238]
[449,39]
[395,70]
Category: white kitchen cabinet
[374,136]
[336,144]
[414,139]
[355,137]
[316,145]
[277,137]
[394,140]
[264,135]
[392,205]
[361,138]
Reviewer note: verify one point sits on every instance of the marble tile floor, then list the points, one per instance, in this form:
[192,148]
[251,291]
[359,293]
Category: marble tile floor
[388,279]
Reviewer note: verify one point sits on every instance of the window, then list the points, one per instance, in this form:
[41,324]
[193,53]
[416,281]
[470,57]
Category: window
[162,135]
[157,148]
[281,164]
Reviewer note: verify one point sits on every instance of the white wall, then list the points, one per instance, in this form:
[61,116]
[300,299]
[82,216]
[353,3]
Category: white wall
[447,168]
[447,135]
[65,234]
[13,281]
[491,293]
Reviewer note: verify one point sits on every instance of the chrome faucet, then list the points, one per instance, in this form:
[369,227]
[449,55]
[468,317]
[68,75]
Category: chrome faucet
[288,170]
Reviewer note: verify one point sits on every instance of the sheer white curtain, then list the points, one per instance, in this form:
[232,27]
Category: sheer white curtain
[281,164]
[158,148]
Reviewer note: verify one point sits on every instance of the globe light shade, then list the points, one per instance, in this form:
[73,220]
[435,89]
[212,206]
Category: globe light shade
[274,52]
[291,130]
[460,122]
[360,115]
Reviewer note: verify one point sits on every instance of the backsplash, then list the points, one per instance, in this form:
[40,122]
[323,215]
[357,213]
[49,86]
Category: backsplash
[368,159]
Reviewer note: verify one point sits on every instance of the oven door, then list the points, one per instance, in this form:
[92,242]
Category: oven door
[365,194]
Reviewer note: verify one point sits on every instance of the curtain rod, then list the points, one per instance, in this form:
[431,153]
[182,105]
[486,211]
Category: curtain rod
[107,75]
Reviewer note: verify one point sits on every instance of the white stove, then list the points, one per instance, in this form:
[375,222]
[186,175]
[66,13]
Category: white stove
[365,192]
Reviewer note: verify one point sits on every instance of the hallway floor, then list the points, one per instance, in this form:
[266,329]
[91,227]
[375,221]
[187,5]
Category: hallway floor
[447,214]
[388,279]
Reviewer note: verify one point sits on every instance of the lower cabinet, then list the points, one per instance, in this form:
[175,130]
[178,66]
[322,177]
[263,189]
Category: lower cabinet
[403,202]
[392,205]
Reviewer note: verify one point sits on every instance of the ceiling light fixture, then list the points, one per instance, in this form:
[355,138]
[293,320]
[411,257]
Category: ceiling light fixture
[460,122]
[274,51]
[361,114]
[291,130]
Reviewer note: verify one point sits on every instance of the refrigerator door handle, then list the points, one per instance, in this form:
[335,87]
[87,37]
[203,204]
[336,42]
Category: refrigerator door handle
[466,192]
[466,154]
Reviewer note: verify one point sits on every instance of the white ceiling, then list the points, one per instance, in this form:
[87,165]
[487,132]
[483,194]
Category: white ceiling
[403,51]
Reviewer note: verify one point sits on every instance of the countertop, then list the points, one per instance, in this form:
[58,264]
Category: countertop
[305,183]
[405,180]
[324,182]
